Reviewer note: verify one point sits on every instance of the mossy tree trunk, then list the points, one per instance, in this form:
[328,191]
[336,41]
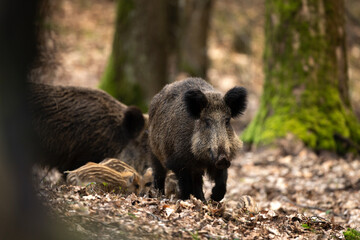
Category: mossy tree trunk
[306,81]
[136,69]
[194,21]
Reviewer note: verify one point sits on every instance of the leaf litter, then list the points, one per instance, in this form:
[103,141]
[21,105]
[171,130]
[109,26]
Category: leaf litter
[295,194]
[269,196]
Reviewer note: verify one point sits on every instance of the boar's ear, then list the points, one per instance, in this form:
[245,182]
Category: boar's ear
[130,179]
[195,101]
[236,99]
[148,176]
[133,122]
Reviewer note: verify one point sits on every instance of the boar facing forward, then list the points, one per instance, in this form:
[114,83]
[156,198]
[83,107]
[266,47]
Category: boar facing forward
[190,134]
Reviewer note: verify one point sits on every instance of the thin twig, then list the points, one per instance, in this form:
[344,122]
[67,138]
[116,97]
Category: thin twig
[47,173]
[150,214]
[348,141]
[89,218]
[159,219]
[313,207]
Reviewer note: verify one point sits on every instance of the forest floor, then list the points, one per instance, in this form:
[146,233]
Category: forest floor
[298,194]
[301,196]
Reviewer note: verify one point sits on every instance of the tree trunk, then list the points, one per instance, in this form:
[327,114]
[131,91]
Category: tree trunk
[136,70]
[194,18]
[306,80]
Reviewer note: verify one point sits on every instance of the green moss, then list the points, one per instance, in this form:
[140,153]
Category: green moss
[121,88]
[107,84]
[313,123]
[352,234]
[301,93]
[117,80]
[189,69]
[124,7]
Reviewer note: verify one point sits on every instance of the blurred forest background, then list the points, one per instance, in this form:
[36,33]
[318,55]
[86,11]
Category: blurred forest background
[299,192]
[221,41]
[82,36]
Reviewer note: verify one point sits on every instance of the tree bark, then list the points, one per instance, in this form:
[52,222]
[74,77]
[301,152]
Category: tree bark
[306,80]
[194,21]
[136,70]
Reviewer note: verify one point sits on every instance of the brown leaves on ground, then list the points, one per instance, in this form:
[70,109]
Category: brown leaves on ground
[298,194]
[302,196]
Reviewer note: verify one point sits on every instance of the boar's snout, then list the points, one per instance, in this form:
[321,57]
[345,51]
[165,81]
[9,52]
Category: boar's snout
[222,162]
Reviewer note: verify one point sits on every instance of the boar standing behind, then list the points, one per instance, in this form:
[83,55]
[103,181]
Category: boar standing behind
[79,125]
[190,133]
[137,153]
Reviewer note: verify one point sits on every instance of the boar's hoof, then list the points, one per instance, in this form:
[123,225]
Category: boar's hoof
[222,163]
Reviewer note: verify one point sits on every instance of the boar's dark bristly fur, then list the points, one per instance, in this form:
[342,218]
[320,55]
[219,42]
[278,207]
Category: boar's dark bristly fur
[78,125]
[137,152]
[195,101]
[190,133]
[235,98]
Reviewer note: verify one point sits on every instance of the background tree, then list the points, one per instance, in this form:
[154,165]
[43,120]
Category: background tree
[306,80]
[151,38]
[136,69]
[194,21]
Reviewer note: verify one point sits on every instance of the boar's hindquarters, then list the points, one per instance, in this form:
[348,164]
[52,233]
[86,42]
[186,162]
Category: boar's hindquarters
[77,125]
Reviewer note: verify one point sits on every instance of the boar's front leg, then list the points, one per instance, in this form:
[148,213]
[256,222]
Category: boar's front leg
[185,183]
[220,178]
[197,179]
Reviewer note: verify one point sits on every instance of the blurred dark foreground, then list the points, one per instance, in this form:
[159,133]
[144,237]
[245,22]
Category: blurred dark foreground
[21,214]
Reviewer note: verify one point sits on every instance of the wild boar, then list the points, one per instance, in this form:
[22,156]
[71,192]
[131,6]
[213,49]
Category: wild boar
[171,188]
[144,181]
[190,133]
[137,152]
[78,125]
[107,178]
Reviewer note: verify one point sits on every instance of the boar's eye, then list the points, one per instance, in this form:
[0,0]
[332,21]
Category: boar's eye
[227,122]
[137,186]
[148,184]
[207,122]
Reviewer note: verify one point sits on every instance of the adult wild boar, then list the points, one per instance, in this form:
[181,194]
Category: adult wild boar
[190,134]
[137,152]
[78,125]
